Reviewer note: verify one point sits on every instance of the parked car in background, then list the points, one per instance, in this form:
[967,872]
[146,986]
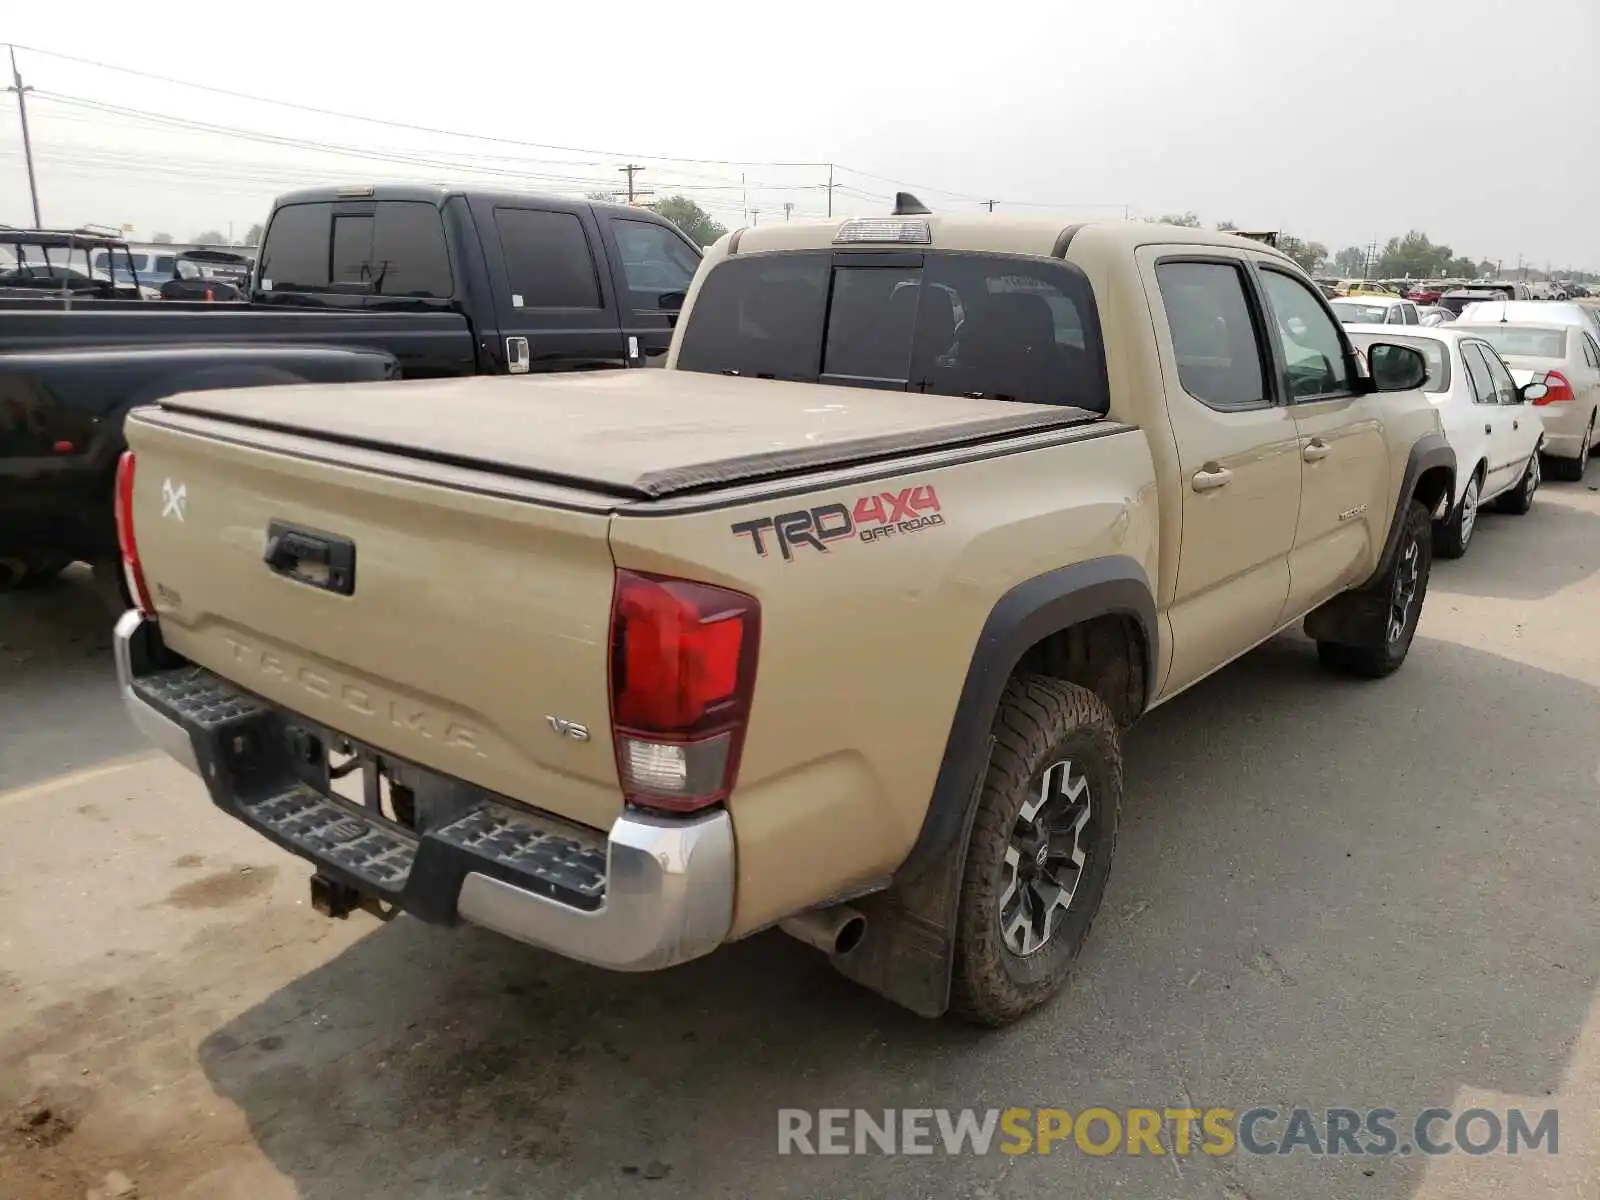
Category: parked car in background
[1425,293]
[1457,299]
[1494,430]
[1532,312]
[1375,310]
[1566,360]
[1435,315]
[1363,287]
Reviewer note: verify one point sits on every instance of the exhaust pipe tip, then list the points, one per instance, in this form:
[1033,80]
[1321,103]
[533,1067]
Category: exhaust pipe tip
[835,931]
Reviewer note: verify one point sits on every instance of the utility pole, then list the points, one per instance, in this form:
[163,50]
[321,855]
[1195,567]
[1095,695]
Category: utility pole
[788,207]
[630,171]
[27,144]
[989,204]
[830,189]
[755,216]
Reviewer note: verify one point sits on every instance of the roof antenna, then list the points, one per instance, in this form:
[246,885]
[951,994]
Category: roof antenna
[907,205]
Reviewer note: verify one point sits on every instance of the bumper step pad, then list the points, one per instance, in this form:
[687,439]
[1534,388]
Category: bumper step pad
[537,853]
[330,832]
[570,869]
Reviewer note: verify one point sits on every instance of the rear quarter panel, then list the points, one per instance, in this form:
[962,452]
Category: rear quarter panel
[865,645]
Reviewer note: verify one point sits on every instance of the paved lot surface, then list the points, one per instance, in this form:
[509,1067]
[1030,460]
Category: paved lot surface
[1326,894]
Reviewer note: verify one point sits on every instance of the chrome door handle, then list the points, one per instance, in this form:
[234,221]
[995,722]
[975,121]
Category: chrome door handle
[1488,429]
[1210,478]
[1316,450]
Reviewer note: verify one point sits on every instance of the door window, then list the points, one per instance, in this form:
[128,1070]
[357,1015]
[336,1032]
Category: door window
[548,260]
[1215,339]
[1313,352]
[1478,373]
[1409,313]
[655,262]
[1505,388]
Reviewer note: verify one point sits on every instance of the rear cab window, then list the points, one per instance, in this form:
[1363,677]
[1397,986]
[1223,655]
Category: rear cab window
[942,322]
[382,248]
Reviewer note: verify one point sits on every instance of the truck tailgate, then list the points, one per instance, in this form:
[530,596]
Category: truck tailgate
[472,618]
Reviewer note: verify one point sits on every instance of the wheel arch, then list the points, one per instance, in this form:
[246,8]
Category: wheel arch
[1091,620]
[1429,476]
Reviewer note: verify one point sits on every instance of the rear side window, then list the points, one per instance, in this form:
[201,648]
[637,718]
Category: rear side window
[949,324]
[656,263]
[392,248]
[761,315]
[1214,338]
[548,260]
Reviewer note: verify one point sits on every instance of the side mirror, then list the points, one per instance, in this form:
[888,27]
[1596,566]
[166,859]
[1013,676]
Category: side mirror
[1532,393]
[1396,368]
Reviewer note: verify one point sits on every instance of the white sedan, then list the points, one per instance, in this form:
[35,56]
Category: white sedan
[1490,422]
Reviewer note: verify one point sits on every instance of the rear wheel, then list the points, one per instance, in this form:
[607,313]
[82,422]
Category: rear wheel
[1402,589]
[1570,470]
[1450,536]
[1040,851]
[1520,498]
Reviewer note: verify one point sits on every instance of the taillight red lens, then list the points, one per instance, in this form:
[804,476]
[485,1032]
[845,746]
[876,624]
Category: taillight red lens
[126,541]
[1558,390]
[683,662]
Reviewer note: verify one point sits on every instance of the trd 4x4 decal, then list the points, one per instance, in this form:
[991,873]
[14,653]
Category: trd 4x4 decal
[872,518]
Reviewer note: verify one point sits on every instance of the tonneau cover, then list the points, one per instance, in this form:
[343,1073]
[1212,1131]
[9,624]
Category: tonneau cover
[631,433]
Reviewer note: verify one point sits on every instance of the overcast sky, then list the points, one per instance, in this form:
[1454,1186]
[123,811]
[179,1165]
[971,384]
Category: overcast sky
[1473,120]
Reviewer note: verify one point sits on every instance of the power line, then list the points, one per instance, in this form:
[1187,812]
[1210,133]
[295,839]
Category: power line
[328,112]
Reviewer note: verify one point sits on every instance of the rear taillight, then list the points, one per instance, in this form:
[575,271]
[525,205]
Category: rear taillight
[683,667]
[1557,389]
[125,538]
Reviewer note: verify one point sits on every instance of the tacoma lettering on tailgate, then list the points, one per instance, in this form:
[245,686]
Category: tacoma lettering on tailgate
[871,518]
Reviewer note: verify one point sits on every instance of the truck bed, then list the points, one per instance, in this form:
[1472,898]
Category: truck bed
[426,342]
[629,435]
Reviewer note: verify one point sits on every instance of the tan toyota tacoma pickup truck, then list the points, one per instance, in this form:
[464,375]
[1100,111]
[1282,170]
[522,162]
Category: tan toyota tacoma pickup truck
[833,625]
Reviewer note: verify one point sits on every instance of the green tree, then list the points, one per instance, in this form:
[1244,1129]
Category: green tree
[1349,261]
[252,236]
[1226,227]
[212,237]
[1413,256]
[1311,256]
[699,226]
[1188,220]
[162,239]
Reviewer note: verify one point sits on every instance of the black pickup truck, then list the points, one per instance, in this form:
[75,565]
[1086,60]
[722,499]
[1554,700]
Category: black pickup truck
[404,280]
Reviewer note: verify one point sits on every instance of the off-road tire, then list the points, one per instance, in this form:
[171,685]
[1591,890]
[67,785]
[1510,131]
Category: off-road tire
[1519,500]
[1452,535]
[1381,657]
[1571,470]
[1041,721]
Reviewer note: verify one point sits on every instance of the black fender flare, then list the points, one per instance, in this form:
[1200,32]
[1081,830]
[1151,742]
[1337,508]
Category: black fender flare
[1429,451]
[909,947]
[1356,617]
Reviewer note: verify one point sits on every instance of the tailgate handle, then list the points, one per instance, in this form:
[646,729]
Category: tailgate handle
[319,560]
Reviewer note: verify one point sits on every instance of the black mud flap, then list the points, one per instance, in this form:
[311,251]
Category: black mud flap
[1350,619]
